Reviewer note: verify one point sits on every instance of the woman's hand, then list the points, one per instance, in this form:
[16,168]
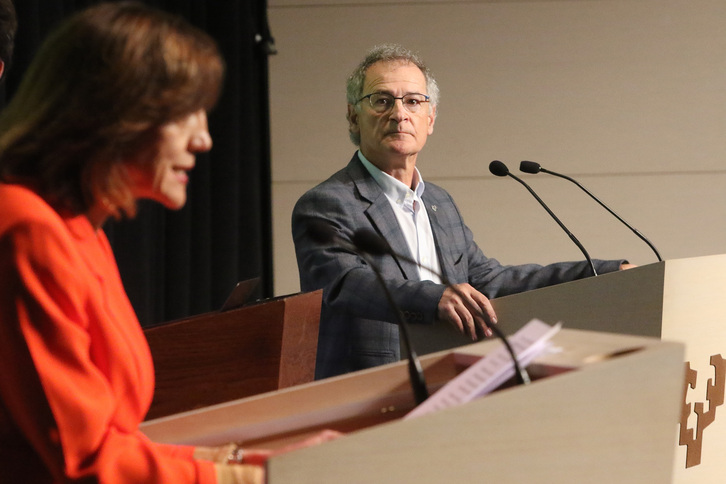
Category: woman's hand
[237,465]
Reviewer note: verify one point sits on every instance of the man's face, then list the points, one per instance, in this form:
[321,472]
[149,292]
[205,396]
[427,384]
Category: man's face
[390,139]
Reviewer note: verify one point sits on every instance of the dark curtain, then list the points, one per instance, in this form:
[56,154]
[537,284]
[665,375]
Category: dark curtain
[177,264]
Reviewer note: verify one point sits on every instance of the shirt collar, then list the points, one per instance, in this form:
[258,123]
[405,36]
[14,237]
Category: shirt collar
[80,227]
[393,188]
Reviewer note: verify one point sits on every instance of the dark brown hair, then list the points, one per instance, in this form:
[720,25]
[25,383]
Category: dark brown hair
[96,94]
[8,26]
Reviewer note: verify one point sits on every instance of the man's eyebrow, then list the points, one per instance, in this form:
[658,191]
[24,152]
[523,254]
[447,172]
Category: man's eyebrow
[388,91]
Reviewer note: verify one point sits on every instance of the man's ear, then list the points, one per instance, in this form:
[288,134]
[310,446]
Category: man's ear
[2,68]
[432,120]
[352,116]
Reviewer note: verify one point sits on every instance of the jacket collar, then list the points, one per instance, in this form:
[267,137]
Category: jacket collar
[380,214]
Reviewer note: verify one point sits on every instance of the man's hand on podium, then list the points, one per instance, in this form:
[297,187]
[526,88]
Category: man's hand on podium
[465,308]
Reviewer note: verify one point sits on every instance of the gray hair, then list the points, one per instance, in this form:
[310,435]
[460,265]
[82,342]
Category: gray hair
[387,53]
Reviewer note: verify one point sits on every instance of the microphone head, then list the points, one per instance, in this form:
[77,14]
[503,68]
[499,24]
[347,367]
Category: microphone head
[530,167]
[321,232]
[369,241]
[498,168]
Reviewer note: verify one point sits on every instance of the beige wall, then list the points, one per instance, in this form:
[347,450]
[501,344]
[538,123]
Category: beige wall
[628,96]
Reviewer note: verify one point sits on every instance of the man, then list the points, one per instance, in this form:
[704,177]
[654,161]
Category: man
[8,26]
[392,100]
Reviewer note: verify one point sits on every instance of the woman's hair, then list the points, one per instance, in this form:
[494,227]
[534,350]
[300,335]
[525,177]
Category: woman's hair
[96,94]
[8,27]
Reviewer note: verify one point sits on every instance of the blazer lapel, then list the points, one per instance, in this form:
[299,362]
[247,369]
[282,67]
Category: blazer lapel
[441,234]
[381,215]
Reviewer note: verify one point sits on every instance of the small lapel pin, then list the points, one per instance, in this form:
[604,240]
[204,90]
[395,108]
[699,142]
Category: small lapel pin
[434,207]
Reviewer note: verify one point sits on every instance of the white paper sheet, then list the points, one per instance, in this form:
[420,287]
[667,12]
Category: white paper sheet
[492,370]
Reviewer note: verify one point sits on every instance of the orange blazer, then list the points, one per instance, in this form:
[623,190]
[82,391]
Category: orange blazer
[76,374]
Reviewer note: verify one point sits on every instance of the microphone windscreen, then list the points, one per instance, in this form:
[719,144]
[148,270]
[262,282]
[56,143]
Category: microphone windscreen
[321,232]
[369,241]
[498,168]
[529,167]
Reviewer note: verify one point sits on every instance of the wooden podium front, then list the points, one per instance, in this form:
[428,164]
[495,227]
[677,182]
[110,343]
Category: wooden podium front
[604,413]
[677,300]
[222,356]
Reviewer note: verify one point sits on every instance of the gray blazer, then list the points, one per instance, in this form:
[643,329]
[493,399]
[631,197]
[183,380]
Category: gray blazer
[357,325]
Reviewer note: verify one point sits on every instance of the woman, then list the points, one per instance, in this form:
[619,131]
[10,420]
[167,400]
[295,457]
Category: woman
[112,109]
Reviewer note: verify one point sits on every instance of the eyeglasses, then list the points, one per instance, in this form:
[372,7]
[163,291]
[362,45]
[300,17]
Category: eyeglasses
[382,102]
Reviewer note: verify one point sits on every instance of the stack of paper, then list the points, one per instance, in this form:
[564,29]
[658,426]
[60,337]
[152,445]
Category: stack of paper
[492,370]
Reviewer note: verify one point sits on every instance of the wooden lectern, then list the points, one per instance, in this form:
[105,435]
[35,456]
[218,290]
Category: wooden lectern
[603,411]
[677,300]
[222,356]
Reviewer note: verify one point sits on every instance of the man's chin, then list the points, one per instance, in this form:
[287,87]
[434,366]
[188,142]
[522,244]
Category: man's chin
[401,136]
[402,147]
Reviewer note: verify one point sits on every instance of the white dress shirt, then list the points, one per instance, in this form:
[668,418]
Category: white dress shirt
[412,218]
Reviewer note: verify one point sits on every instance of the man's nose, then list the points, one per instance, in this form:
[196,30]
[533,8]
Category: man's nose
[398,111]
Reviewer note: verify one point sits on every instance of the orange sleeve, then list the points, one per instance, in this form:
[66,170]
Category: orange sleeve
[68,371]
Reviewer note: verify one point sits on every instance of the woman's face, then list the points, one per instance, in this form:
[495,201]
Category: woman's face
[165,178]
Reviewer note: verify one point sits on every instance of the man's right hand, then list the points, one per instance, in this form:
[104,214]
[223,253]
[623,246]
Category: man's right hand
[466,308]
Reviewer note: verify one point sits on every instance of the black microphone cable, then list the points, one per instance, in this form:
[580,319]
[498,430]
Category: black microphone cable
[323,233]
[534,168]
[498,168]
[369,241]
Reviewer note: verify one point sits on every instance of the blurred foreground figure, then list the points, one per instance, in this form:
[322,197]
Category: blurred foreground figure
[113,109]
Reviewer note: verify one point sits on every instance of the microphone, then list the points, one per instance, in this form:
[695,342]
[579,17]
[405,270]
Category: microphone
[368,241]
[534,168]
[498,168]
[323,233]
